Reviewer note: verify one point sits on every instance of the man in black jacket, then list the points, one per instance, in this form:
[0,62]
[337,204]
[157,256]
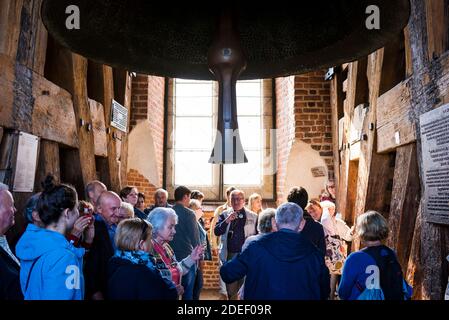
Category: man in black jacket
[103,247]
[313,231]
[9,265]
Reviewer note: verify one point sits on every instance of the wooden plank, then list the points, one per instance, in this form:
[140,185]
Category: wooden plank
[29,101]
[113,151]
[437,31]
[122,93]
[372,166]
[48,162]
[414,271]
[82,111]
[429,87]
[99,128]
[395,126]
[406,195]
[9,26]
[32,46]
[336,89]
[408,53]
[343,191]
[353,171]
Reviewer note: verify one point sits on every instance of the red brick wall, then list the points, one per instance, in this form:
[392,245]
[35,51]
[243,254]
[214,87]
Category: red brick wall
[147,104]
[156,118]
[285,125]
[303,112]
[139,99]
[313,114]
[211,273]
[137,180]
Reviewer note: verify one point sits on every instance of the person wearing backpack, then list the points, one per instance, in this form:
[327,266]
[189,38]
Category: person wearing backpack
[374,272]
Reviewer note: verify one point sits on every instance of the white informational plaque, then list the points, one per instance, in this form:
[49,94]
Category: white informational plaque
[435,157]
[119,116]
[26,163]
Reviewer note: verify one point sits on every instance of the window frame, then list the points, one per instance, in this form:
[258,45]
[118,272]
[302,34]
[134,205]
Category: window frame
[216,192]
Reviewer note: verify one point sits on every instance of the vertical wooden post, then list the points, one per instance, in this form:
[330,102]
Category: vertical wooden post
[404,203]
[78,88]
[10,26]
[113,152]
[48,162]
[434,241]
[32,45]
[336,105]
[372,166]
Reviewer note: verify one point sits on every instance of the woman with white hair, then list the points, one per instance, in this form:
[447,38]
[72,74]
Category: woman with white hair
[164,221]
[336,232]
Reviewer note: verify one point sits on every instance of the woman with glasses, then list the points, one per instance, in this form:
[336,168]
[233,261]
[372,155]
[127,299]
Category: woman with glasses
[330,192]
[132,274]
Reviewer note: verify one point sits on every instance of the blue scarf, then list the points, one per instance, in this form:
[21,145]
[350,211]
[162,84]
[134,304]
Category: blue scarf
[137,257]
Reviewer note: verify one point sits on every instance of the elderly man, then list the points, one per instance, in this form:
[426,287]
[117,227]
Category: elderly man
[103,246]
[160,200]
[93,191]
[281,265]
[9,265]
[234,226]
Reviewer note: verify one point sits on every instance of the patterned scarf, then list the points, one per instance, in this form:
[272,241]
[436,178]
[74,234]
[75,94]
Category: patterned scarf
[137,257]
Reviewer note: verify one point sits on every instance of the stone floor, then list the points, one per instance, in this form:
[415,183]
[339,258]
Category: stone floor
[210,294]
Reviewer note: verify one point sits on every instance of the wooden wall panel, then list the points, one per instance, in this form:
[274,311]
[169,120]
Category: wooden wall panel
[32,46]
[99,128]
[29,101]
[9,26]
[405,202]
[48,162]
[395,126]
[437,27]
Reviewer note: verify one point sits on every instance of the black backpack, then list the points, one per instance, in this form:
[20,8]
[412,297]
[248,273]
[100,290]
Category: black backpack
[391,277]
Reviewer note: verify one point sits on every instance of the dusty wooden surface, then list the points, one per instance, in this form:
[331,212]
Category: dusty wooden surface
[48,162]
[98,127]
[32,43]
[10,26]
[33,104]
[395,126]
[404,203]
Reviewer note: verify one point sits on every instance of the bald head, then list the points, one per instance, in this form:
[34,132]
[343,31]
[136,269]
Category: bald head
[93,191]
[7,211]
[108,206]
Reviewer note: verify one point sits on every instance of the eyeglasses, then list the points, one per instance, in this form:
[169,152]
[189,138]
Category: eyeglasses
[333,187]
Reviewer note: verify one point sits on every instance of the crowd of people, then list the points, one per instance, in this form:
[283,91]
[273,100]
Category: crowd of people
[110,247]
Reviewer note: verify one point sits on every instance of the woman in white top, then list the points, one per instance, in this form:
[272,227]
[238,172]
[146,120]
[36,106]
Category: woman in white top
[336,232]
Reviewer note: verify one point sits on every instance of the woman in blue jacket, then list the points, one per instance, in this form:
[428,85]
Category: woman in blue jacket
[51,267]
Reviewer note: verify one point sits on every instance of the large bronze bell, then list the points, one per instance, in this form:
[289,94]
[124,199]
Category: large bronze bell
[241,41]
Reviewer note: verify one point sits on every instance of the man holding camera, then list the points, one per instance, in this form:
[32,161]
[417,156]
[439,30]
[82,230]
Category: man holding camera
[234,226]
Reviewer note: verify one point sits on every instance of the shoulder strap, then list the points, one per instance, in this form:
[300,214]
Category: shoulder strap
[29,273]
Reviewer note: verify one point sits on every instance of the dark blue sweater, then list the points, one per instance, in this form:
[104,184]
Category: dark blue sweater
[282,265]
[128,281]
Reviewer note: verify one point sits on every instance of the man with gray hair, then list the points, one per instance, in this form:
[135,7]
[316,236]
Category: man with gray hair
[281,265]
[9,265]
[160,200]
